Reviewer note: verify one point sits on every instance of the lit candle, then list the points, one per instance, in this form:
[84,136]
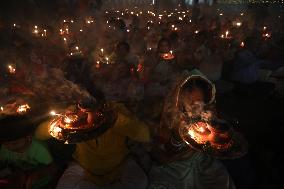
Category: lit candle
[23,108]
[227,33]
[36,30]
[98,64]
[11,69]
[242,44]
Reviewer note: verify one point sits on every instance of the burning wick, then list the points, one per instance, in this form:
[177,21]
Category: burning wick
[53,113]
[67,120]
[238,24]
[36,30]
[23,108]
[11,69]
[98,65]
[266,35]
[227,32]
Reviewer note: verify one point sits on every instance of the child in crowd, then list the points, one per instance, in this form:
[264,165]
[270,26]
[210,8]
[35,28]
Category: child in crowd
[24,161]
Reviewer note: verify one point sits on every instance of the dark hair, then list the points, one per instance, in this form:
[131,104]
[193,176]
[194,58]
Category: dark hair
[162,40]
[13,127]
[201,84]
[123,44]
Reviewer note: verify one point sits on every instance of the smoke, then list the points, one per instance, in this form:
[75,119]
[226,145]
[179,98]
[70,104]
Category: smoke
[56,88]
[197,110]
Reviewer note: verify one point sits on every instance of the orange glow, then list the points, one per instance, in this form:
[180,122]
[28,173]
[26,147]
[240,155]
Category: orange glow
[23,108]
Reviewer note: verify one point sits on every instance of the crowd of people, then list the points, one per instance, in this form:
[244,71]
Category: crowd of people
[133,60]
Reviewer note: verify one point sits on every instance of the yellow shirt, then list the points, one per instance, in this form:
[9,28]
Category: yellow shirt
[103,157]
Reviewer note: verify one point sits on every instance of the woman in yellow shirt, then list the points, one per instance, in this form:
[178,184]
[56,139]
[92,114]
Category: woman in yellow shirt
[104,162]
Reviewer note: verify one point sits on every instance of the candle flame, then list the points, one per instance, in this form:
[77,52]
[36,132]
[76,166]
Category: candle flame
[23,108]
[11,69]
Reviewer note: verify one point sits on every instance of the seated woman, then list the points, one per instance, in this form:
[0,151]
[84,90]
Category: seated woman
[183,162]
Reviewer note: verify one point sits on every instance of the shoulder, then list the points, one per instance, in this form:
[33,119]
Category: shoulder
[39,151]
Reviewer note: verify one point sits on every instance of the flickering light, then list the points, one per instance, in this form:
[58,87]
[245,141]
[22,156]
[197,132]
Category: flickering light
[23,108]
[53,113]
[11,69]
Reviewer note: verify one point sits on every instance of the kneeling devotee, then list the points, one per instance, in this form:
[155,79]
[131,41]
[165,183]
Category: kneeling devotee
[101,158]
